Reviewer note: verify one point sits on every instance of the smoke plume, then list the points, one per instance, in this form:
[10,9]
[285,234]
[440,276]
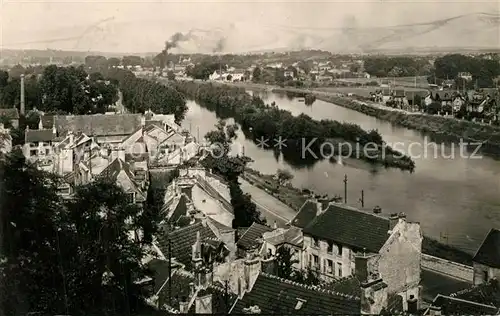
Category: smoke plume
[220,45]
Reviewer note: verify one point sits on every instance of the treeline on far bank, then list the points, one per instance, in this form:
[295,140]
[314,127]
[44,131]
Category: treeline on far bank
[261,121]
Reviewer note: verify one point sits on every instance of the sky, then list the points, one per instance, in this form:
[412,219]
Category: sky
[144,26]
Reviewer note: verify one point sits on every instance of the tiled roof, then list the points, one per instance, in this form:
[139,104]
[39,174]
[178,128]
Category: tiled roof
[180,290]
[221,302]
[38,135]
[114,168]
[306,214]
[454,306]
[10,113]
[487,294]
[251,238]
[349,285]
[489,252]
[275,295]
[99,124]
[69,177]
[351,227]
[182,240]
[291,236]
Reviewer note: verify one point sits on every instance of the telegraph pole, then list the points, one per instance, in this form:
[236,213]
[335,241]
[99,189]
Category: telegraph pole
[362,199]
[226,296]
[169,272]
[345,189]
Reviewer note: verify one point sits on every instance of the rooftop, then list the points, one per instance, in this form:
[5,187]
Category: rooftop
[454,306]
[252,236]
[94,125]
[274,295]
[489,251]
[306,214]
[351,227]
[291,236]
[42,135]
[182,240]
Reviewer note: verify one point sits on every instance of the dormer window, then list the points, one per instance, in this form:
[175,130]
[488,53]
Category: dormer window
[315,242]
[300,303]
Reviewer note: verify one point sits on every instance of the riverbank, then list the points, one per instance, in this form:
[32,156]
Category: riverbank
[439,127]
[262,123]
[295,198]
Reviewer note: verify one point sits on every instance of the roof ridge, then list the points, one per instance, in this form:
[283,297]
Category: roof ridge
[311,287]
[185,228]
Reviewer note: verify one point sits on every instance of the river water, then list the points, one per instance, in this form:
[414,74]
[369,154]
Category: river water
[455,198]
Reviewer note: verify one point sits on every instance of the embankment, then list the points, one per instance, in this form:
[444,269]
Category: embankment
[439,127]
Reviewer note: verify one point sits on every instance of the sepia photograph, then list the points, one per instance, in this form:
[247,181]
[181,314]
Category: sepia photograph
[220,157]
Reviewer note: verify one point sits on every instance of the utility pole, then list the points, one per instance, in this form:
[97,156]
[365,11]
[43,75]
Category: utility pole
[345,189]
[169,272]
[362,199]
[226,296]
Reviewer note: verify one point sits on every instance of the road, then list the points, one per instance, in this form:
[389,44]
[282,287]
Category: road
[270,207]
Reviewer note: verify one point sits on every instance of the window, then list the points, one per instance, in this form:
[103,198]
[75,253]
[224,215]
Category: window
[339,269]
[47,151]
[270,252]
[340,250]
[33,152]
[330,247]
[314,262]
[485,274]
[315,242]
[328,266]
[131,197]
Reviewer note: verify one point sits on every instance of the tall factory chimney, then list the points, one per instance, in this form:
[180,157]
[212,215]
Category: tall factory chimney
[22,95]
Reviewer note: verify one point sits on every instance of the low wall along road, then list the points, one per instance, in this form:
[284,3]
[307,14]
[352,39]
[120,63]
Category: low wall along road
[448,268]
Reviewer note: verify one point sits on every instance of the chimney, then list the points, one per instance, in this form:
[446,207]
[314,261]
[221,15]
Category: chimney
[373,296]
[196,251]
[275,225]
[252,267]
[40,123]
[183,306]
[54,129]
[402,216]
[377,210]
[412,305]
[361,267]
[393,220]
[191,289]
[203,305]
[22,95]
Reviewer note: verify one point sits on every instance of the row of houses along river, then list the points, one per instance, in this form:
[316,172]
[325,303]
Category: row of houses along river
[456,199]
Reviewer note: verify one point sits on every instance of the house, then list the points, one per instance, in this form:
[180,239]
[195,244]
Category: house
[177,290]
[251,238]
[457,102]
[6,140]
[386,95]
[291,238]
[483,299]
[428,99]
[465,75]
[177,243]
[39,144]
[342,239]
[445,98]
[486,261]
[12,115]
[399,97]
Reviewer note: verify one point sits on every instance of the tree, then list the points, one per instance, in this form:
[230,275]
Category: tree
[113,62]
[284,176]
[230,168]
[4,78]
[170,75]
[256,75]
[229,77]
[284,262]
[75,256]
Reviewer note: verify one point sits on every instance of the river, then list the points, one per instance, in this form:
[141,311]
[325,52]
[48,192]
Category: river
[456,200]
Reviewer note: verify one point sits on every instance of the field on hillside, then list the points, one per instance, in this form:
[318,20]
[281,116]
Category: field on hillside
[361,91]
[420,81]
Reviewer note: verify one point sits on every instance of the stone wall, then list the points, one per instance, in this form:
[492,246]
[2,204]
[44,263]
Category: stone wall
[448,268]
